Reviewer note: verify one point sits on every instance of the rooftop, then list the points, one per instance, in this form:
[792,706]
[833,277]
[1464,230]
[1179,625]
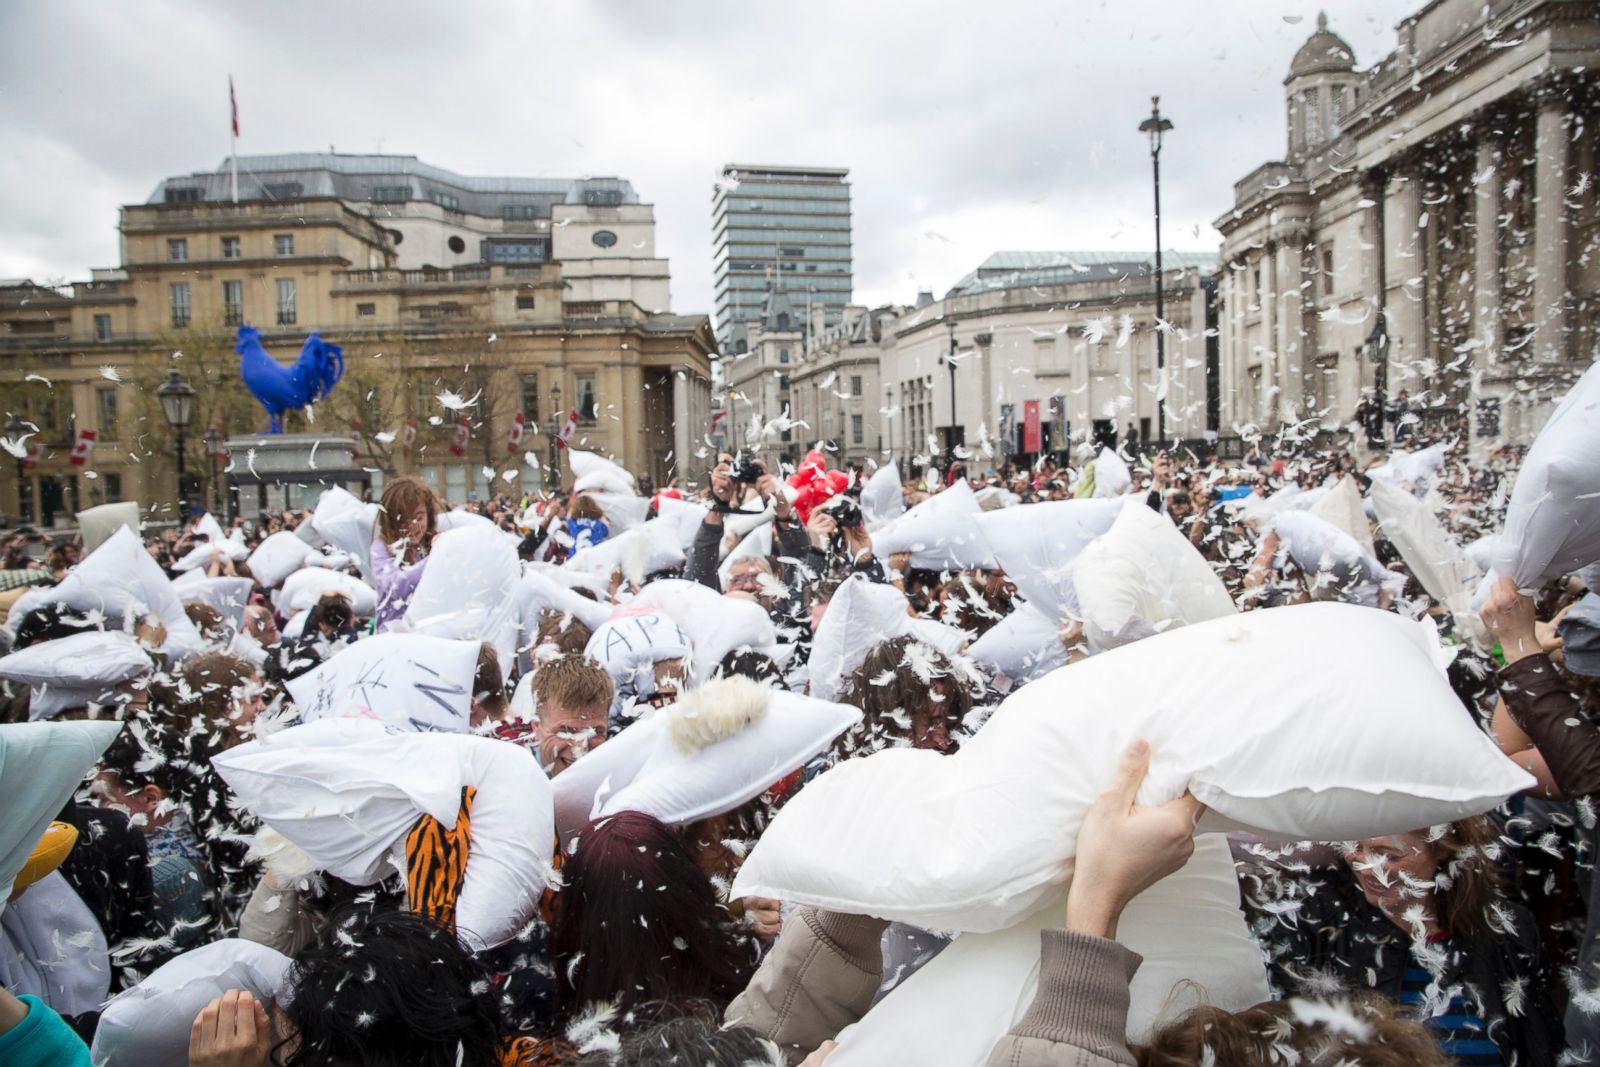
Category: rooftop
[784,170]
[1016,269]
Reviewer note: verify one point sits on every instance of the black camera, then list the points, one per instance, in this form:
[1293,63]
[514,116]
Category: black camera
[846,513]
[747,471]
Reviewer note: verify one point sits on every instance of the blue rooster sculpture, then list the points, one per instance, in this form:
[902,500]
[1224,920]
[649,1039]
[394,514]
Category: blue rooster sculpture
[281,389]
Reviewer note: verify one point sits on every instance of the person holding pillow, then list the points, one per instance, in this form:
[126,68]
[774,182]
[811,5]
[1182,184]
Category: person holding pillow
[408,517]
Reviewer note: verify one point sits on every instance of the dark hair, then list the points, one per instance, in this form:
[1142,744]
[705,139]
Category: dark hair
[636,921]
[749,663]
[568,633]
[685,1034]
[1264,1035]
[48,622]
[389,989]
[889,684]
[488,684]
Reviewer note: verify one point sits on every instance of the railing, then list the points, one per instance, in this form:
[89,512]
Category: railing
[390,278]
[1268,177]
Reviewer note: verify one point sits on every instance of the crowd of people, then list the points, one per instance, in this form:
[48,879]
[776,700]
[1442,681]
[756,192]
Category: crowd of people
[389,782]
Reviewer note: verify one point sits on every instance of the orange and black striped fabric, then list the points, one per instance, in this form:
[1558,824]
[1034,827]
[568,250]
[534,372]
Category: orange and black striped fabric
[539,1052]
[436,863]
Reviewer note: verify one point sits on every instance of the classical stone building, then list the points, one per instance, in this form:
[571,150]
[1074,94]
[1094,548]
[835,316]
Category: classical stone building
[755,389]
[835,387]
[1433,227]
[553,302]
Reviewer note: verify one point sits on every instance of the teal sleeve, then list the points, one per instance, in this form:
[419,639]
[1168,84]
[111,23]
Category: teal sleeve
[42,1039]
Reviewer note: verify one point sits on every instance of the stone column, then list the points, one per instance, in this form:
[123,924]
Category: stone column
[1291,387]
[1550,230]
[1486,268]
[1270,409]
[1407,318]
[683,420]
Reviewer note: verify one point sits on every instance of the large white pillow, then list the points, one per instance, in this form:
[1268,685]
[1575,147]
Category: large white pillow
[347,524]
[200,556]
[883,497]
[645,550]
[1141,577]
[1188,927]
[97,524]
[1111,475]
[1343,507]
[408,681]
[723,744]
[537,591]
[303,588]
[148,1025]
[1413,471]
[1019,648]
[1252,713]
[468,590]
[716,624]
[347,791]
[41,764]
[684,515]
[1035,545]
[941,533]
[1553,520]
[1437,562]
[277,557]
[623,511]
[863,614]
[228,595]
[122,582]
[1334,562]
[591,471]
[72,671]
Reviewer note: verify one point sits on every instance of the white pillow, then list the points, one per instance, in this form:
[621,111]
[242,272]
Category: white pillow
[347,524]
[757,542]
[148,1025]
[684,515]
[941,533]
[200,556]
[1035,545]
[645,550]
[716,624]
[1413,471]
[408,681]
[468,589]
[41,764]
[303,588]
[347,791]
[590,471]
[457,518]
[1020,647]
[1334,562]
[630,644]
[537,591]
[1188,927]
[279,556]
[1343,507]
[1438,563]
[1271,728]
[623,511]
[97,524]
[861,615]
[1111,475]
[721,745]
[1141,577]
[121,581]
[883,497]
[1553,520]
[72,671]
[228,595]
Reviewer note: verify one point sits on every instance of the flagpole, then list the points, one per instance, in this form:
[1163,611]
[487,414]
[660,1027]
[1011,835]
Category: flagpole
[233,138]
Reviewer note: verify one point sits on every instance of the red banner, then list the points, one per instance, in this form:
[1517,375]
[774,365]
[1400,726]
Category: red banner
[567,430]
[458,444]
[408,437]
[83,448]
[514,438]
[1030,426]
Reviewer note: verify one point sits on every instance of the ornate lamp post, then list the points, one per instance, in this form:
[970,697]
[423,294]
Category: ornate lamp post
[177,403]
[16,426]
[552,431]
[1155,126]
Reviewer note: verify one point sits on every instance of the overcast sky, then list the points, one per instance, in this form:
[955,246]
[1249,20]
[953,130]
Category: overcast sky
[967,127]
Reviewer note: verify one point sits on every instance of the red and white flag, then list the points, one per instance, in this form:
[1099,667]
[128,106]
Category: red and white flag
[719,419]
[567,430]
[233,106]
[408,437]
[518,427]
[31,460]
[458,444]
[82,448]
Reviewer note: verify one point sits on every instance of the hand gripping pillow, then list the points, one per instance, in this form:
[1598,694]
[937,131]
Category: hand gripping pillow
[721,745]
[347,791]
[941,533]
[883,497]
[1553,520]
[148,1025]
[863,614]
[303,588]
[716,624]
[41,764]
[1253,713]
[408,681]
[1343,507]
[1021,647]
[1188,927]
[1141,577]
[1035,545]
[279,556]
[590,471]
[347,524]
[122,582]
[468,590]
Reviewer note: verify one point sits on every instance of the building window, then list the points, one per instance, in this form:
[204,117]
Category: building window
[283,244]
[456,244]
[602,197]
[391,194]
[783,355]
[283,190]
[455,483]
[102,327]
[230,248]
[524,302]
[588,400]
[183,196]
[604,239]
[858,429]
[177,249]
[1313,117]
[1327,272]
[113,486]
[1338,111]
[106,406]
[232,303]
[180,303]
[519,211]
[530,401]
[286,308]
[516,251]
[366,311]
[445,200]
[1327,385]
[855,385]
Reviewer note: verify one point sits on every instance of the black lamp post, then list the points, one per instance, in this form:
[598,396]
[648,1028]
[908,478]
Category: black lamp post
[552,430]
[214,450]
[1155,126]
[177,403]
[950,363]
[16,426]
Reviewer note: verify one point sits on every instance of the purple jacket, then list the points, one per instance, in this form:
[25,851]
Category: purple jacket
[394,581]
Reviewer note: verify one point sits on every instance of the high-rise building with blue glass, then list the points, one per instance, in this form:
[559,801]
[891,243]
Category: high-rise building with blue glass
[780,228]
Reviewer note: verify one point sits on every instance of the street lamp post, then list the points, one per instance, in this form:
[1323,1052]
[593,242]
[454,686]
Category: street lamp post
[552,432]
[214,443]
[950,363]
[177,403]
[1155,126]
[16,426]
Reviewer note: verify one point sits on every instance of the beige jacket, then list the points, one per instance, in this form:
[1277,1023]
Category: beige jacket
[823,971]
